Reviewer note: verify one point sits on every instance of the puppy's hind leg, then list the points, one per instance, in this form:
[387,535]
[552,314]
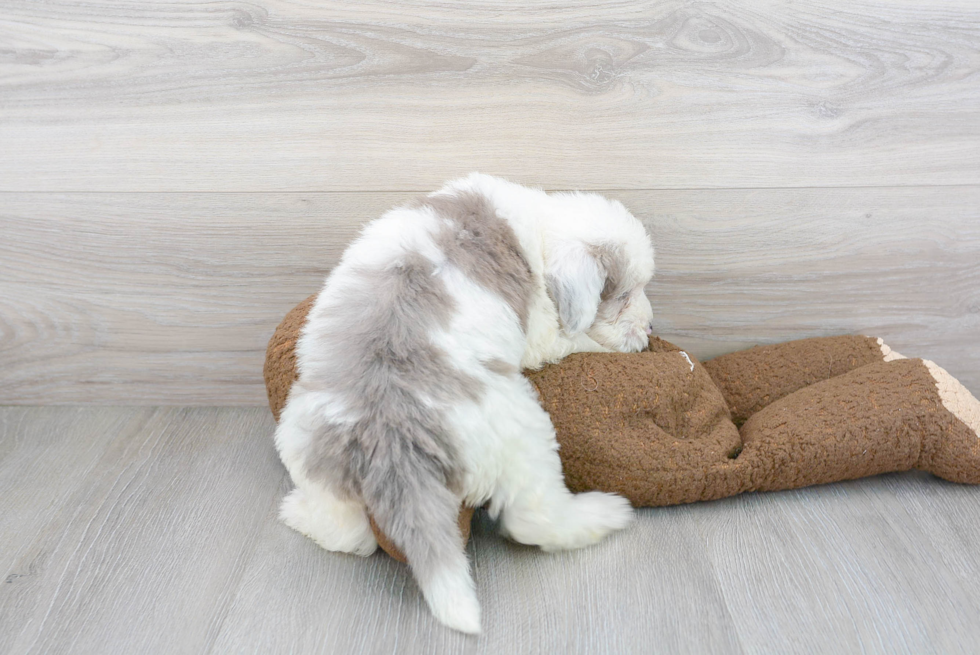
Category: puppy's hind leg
[536,507]
[333,523]
[313,508]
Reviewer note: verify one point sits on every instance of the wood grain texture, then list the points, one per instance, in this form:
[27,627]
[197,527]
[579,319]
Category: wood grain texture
[36,489]
[304,96]
[816,547]
[171,298]
[146,530]
[139,550]
[591,601]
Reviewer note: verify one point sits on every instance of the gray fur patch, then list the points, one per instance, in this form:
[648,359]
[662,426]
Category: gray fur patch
[612,260]
[484,247]
[575,301]
[500,367]
[398,455]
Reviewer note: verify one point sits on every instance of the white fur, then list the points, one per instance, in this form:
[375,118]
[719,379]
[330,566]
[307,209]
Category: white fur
[507,440]
[312,509]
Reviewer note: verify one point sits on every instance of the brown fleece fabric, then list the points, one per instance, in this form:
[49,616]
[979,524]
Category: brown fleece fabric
[879,418]
[280,356]
[751,379]
[657,426]
[643,425]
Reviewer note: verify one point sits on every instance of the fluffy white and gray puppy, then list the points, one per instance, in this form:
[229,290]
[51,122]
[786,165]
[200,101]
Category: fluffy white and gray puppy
[410,400]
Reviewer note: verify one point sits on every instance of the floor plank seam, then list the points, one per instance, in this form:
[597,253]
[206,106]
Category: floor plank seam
[214,632]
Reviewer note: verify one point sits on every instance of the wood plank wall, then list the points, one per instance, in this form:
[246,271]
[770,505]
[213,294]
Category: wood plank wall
[174,177]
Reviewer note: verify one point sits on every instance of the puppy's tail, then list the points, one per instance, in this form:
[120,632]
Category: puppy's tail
[407,495]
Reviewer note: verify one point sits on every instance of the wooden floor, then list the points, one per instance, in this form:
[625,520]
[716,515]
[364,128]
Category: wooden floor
[175,176]
[140,530]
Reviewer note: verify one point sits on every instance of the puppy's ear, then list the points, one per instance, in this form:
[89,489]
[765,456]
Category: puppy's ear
[574,280]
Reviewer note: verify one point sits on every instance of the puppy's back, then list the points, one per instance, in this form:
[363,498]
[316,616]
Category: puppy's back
[369,345]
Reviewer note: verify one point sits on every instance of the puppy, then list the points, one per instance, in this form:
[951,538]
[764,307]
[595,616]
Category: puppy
[410,400]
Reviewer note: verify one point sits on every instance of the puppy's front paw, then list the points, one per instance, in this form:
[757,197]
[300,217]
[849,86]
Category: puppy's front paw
[591,517]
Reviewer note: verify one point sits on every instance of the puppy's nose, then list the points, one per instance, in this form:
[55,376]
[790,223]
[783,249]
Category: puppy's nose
[649,329]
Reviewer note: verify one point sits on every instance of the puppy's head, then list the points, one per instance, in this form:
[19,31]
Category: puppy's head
[598,262]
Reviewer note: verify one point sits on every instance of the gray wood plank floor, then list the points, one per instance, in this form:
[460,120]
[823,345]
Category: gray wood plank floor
[149,530]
